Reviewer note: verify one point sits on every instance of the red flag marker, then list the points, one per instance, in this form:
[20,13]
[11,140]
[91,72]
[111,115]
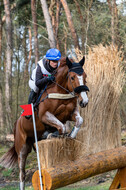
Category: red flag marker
[27,109]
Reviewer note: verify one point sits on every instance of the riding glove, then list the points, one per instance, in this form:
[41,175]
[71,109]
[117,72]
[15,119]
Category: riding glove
[50,78]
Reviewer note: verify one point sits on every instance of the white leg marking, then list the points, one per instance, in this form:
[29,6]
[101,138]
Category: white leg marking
[22,185]
[79,121]
[52,119]
[67,126]
[83,94]
[23,155]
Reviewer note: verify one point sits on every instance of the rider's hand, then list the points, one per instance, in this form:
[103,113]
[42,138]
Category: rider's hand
[50,78]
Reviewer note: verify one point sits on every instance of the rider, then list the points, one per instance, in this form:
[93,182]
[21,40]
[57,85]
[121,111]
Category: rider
[43,73]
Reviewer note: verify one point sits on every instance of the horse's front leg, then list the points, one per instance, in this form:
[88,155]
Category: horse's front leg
[21,163]
[78,122]
[49,119]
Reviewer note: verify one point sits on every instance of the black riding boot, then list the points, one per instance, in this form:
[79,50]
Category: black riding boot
[31,99]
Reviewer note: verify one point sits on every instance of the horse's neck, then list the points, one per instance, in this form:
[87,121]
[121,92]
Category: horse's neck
[62,78]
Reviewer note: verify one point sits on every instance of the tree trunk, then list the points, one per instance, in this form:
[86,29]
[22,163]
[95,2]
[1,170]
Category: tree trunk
[70,23]
[82,23]
[1,104]
[51,36]
[34,19]
[52,15]
[58,7]
[1,112]
[26,76]
[114,22]
[8,63]
[87,25]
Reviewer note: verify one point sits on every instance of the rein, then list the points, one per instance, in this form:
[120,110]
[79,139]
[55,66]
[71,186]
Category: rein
[64,88]
[64,96]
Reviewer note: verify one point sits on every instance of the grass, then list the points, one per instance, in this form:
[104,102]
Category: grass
[97,187]
[7,172]
[11,179]
[16,188]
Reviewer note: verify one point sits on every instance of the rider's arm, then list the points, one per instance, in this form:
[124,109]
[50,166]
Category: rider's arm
[40,80]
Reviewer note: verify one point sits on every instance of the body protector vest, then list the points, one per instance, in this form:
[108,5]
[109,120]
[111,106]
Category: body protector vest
[32,80]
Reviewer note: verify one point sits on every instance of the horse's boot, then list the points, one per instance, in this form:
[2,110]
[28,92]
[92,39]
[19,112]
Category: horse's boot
[31,99]
[74,132]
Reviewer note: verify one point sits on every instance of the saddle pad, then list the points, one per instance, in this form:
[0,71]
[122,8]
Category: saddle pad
[60,96]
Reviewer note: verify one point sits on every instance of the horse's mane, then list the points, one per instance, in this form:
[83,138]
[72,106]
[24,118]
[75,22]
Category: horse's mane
[63,61]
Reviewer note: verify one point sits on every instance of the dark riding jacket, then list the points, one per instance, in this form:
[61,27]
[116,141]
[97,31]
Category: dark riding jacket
[41,80]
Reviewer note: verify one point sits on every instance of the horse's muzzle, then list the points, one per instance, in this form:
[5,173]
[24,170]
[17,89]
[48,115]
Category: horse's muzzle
[82,88]
[83,105]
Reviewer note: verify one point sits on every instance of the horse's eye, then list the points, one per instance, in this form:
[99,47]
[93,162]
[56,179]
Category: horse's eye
[72,78]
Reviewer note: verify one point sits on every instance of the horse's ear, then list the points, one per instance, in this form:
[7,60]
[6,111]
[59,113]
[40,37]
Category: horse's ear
[82,61]
[68,62]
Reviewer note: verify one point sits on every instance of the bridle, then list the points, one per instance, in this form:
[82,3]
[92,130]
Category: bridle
[75,90]
[73,93]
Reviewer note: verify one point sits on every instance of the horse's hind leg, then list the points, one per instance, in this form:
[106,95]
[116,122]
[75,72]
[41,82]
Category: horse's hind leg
[21,162]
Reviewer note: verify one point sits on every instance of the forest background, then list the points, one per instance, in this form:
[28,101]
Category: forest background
[28,28]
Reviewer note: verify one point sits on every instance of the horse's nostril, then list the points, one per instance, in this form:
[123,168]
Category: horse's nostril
[83,104]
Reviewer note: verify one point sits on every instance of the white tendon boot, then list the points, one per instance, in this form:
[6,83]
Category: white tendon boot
[74,132]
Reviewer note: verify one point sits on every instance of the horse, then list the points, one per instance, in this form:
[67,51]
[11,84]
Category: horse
[70,80]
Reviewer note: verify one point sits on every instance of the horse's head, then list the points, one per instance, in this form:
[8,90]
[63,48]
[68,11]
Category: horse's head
[77,81]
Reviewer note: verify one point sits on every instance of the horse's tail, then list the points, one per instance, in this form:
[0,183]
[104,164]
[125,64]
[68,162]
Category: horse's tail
[9,159]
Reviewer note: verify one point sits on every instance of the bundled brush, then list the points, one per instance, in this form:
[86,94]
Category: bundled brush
[102,128]
[105,78]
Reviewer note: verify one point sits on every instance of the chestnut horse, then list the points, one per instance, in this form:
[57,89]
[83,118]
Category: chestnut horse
[70,79]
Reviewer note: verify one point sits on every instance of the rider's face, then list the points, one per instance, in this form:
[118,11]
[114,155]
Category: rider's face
[53,63]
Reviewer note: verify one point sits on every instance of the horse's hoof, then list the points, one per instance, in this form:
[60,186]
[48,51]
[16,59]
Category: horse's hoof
[55,134]
[49,136]
[45,135]
[66,135]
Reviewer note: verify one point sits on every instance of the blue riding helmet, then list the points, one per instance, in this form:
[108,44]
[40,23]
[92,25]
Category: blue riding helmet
[53,54]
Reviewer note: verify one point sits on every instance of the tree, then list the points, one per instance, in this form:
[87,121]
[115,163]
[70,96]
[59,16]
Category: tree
[70,23]
[82,22]
[58,7]
[8,63]
[1,102]
[51,36]
[114,22]
[34,19]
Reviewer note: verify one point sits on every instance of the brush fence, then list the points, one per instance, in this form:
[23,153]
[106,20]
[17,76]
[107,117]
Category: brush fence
[86,166]
[101,129]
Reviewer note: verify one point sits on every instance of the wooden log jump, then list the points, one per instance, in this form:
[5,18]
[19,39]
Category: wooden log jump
[85,167]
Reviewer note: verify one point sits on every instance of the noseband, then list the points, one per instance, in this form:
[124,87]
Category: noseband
[82,88]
